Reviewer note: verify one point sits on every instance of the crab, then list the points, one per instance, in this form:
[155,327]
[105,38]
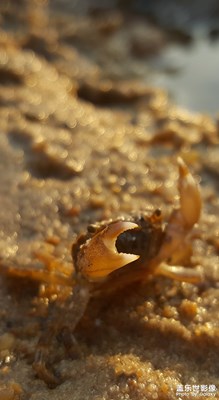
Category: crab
[141,243]
[116,253]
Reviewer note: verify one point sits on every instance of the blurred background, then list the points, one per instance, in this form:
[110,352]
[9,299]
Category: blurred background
[171,44]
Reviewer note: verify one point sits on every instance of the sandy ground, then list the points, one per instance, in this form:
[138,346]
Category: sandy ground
[82,139]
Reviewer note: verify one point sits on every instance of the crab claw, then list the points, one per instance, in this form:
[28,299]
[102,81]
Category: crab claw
[175,244]
[99,257]
[190,197]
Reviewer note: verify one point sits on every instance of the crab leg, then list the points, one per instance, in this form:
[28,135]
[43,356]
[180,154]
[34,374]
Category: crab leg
[72,310]
[179,273]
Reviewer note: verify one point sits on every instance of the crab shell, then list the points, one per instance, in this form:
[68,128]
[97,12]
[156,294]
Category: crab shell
[112,245]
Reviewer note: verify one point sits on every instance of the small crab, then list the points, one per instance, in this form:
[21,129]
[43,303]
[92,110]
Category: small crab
[116,253]
[113,254]
[142,242]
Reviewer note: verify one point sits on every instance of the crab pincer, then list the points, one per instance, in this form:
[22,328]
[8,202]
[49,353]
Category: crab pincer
[190,196]
[99,256]
[180,223]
